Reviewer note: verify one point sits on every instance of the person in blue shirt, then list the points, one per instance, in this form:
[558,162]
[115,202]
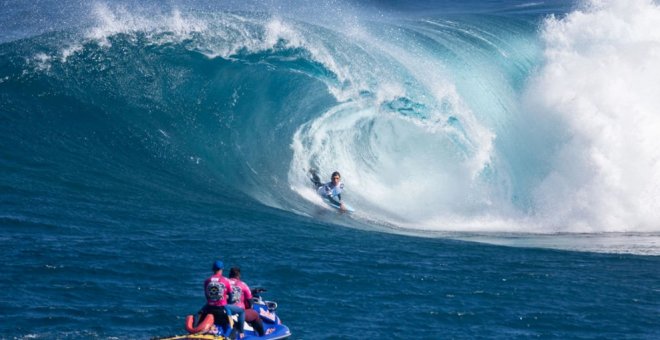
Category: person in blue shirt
[331,190]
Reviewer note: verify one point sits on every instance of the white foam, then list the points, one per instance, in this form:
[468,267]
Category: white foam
[600,81]
[116,20]
[70,50]
[41,61]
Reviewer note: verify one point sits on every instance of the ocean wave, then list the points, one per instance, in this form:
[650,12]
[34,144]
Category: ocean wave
[461,122]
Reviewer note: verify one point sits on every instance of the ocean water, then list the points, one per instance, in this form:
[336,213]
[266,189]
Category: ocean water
[502,157]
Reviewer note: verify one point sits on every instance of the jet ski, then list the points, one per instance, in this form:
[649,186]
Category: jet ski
[211,329]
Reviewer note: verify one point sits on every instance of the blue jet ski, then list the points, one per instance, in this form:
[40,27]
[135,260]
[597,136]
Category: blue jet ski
[273,327]
[211,329]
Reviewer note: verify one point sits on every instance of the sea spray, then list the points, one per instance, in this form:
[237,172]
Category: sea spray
[599,82]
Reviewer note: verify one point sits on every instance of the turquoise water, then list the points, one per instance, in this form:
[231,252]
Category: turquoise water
[501,157]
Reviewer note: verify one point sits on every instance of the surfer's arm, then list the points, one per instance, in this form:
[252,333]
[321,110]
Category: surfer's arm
[337,200]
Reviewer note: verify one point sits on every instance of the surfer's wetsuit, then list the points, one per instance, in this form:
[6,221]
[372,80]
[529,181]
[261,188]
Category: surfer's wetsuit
[316,181]
[327,190]
[330,191]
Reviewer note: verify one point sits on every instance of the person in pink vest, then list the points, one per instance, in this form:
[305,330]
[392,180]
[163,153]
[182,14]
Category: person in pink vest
[242,297]
[216,290]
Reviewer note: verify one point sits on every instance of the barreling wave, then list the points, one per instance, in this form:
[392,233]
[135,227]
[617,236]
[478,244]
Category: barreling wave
[462,122]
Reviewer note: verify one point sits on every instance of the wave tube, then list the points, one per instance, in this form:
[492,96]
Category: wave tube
[405,139]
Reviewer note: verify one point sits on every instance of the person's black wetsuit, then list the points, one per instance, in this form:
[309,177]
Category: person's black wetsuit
[314,177]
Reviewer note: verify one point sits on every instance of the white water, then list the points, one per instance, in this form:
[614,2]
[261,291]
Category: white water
[601,83]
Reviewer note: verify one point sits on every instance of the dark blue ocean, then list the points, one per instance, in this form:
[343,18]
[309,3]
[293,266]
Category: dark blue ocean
[502,157]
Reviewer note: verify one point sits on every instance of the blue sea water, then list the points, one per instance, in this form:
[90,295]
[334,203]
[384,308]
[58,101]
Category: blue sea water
[502,158]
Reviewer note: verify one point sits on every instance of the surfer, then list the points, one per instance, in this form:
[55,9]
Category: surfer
[331,190]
